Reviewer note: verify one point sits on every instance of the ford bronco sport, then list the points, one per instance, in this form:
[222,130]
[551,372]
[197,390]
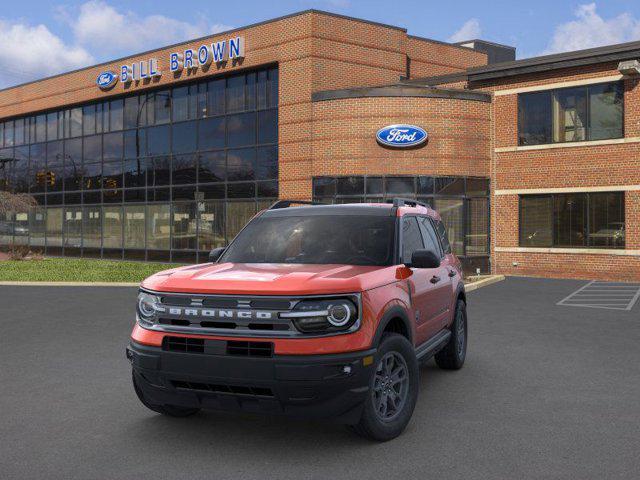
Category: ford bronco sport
[315,310]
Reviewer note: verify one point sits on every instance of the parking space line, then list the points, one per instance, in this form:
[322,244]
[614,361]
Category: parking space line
[597,294]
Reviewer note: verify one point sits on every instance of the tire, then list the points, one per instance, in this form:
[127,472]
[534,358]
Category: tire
[453,355]
[169,410]
[382,423]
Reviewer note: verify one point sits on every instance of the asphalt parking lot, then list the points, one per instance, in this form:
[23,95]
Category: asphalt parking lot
[547,392]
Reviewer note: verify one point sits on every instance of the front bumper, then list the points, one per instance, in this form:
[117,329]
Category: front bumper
[317,386]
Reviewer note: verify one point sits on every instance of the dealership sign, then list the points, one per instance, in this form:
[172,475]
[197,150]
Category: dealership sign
[189,59]
[106,80]
[401,136]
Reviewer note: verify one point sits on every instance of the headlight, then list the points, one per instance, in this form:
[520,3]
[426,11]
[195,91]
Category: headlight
[324,315]
[148,307]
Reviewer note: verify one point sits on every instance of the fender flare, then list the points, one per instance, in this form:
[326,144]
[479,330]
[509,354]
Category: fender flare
[393,312]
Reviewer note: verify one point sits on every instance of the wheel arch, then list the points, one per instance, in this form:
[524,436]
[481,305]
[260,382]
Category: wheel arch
[397,319]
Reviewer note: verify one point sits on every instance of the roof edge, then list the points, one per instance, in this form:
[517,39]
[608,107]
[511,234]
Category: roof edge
[400,90]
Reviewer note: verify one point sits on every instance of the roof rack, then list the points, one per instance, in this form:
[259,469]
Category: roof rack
[401,202]
[288,203]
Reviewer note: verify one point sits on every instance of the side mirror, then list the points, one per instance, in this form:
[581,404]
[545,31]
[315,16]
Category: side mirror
[216,253]
[424,259]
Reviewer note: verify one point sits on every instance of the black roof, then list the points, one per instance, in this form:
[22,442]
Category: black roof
[347,209]
[590,56]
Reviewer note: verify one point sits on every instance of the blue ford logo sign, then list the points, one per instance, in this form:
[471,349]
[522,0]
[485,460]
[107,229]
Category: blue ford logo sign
[106,80]
[401,136]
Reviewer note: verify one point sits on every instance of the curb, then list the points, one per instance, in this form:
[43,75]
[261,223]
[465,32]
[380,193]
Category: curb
[70,284]
[484,282]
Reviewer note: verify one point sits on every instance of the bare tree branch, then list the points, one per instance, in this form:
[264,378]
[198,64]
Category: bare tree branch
[16,202]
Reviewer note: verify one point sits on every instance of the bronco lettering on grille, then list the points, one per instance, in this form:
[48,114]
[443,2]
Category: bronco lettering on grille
[218,313]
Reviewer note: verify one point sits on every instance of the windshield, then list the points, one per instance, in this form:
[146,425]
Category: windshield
[318,239]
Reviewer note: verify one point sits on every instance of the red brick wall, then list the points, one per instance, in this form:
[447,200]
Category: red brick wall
[429,58]
[564,167]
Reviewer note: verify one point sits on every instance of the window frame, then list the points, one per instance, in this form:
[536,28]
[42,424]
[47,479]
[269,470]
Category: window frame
[552,92]
[587,223]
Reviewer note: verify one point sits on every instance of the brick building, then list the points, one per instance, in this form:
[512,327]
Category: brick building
[166,154]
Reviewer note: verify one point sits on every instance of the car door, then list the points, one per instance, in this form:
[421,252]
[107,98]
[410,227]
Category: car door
[442,280]
[419,282]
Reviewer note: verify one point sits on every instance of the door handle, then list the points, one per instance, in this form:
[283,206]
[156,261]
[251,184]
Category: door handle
[452,273]
[434,279]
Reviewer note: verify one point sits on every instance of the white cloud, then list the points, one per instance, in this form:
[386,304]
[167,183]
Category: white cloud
[469,31]
[591,30]
[29,52]
[107,31]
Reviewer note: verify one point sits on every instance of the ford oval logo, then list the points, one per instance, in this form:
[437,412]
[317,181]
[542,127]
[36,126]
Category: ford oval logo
[106,80]
[401,136]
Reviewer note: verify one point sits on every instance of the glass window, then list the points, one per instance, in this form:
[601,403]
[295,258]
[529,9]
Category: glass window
[112,229]
[184,137]
[89,115]
[112,175]
[374,186]
[158,227]
[215,97]
[536,221]
[55,167]
[37,226]
[241,164]
[241,129]
[534,118]
[116,115]
[570,220]
[184,169]
[201,100]
[570,115]
[350,186]
[8,134]
[92,176]
[158,140]
[210,225]
[268,126]
[73,227]
[72,164]
[41,128]
[134,225]
[452,213]
[235,93]
[75,122]
[477,233]
[92,227]
[180,104]
[441,230]
[250,91]
[261,89]
[411,238]
[211,133]
[400,186]
[21,169]
[606,111]
[92,149]
[241,190]
[237,215]
[158,171]
[112,146]
[426,185]
[102,120]
[267,163]
[449,186]
[211,167]
[134,173]
[606,220]
[162,106]
[37,168]
[273,88]
[135,143]
[54,227]
[477,186]
[184,226]
[131,112]
[429,236]
[20,131]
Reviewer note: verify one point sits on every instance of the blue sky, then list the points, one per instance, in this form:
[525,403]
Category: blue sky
[43,37]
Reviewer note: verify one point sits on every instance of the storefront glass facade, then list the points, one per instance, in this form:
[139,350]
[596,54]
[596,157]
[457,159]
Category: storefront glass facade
[463,203]
[165,175]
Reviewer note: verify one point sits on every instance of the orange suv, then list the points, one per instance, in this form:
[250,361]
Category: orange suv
[313,310]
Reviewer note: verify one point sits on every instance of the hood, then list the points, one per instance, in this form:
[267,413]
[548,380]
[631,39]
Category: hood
[270,279]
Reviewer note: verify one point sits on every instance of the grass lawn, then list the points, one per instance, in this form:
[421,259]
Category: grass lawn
[78,270]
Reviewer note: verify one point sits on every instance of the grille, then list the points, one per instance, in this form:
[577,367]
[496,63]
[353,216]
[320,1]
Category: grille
[217,347]
[250,349]
[226,389]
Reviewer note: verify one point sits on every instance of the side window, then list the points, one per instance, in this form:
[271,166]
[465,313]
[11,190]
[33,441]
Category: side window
[411,238]
[442,234]
[428,233]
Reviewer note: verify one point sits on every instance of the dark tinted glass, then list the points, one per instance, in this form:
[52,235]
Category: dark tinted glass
[400,186]
[350,186]
[536,221]
[134,173]
[158,171]
[429,236]
[347,240]
[606,220]
[425,185]
[449,186]
[158,140]
[374,185]
[477,186]
[184,169]
[570,115]
[92,149]
[211,167]
[116,118]
[570,220]
[241,190]
[324,187]
[184,137]
[241,129]
[241,164]
[411,238]
[131,110]
[534,118]
[215,97]
[268,126]
[211,133]
[267,163]
[606,111]
[235,93]
[112,146]
[444,237]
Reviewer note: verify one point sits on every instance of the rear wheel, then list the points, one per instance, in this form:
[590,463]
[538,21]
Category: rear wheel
[169,410]
[453,355]
[393,390]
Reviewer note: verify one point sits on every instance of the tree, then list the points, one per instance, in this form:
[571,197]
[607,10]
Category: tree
[16,202]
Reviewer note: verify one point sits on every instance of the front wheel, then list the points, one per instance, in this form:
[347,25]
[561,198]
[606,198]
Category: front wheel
[453,355]
[393,390]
